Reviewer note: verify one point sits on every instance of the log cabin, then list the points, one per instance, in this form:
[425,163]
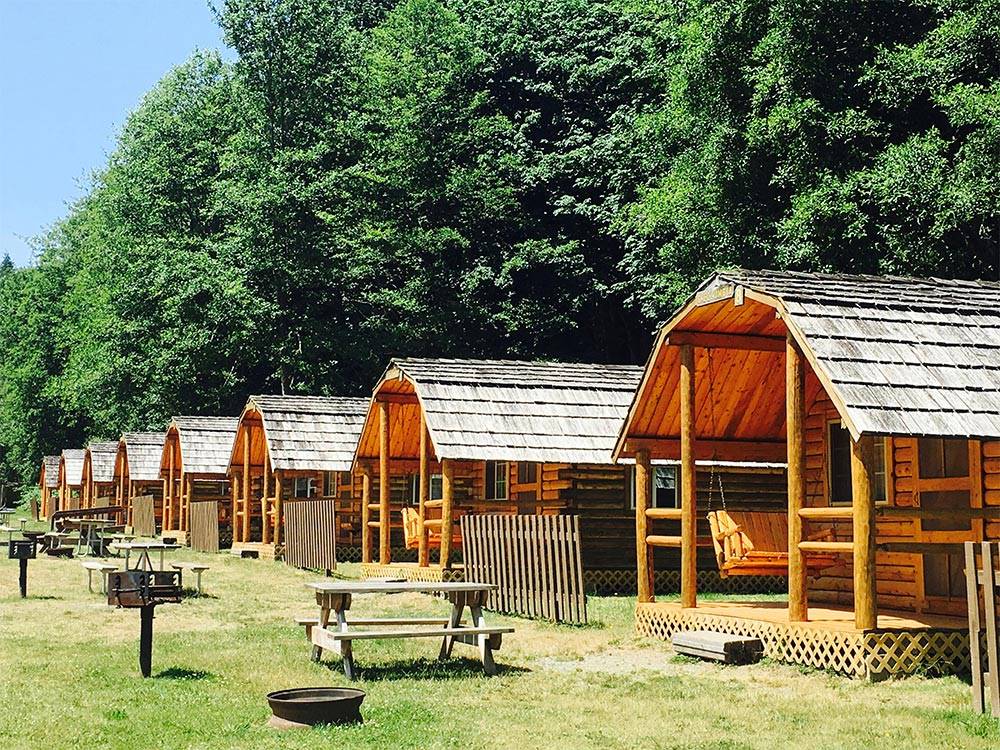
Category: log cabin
[71,478]
[293,447]
[193,467]
[443,438]
[883,396]
[48,483]
[99,487]
[137,471]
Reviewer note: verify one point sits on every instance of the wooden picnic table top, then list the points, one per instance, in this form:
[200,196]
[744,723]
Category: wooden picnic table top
[144,545]
[397,587]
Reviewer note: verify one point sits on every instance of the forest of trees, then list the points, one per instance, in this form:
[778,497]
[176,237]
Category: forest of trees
[502,178]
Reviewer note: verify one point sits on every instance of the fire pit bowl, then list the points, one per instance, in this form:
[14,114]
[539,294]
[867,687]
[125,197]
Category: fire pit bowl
[317,705]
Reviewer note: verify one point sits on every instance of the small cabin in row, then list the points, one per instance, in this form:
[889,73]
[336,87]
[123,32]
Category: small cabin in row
[137,471]
[71,478]
[48,483]
[99,487]
[193,466]
[287,448]
[883,396]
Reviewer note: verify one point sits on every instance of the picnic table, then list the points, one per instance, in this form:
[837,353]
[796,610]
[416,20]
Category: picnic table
[90,534]
[5,514]
[143,549]
[334,600]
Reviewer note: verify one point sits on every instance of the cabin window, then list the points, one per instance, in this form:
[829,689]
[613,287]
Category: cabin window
[304,487]
[436,488]
[666,487]
[496,480]
[943,457]
[839,461]
[944,576]
[331,483]
[527,472]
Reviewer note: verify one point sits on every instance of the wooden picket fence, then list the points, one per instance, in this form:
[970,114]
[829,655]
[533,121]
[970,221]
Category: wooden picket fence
[982,578]
[311,534]
[144,515]
[534,561]
[205,525]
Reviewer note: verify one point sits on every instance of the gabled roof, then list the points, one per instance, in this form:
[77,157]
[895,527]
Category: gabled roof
[205,443]
[308,433]
[143,451]
[515,411]
[50,471]
[102,461]
[904,355]
[895,355]
[72,465]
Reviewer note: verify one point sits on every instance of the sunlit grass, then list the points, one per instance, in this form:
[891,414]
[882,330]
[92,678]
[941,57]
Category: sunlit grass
[69,678]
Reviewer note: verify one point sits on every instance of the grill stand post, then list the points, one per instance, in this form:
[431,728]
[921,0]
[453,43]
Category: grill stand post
[146,639]
[22,578]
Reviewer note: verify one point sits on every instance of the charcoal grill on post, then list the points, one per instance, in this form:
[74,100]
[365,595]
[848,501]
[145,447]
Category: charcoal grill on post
[22,550]
[143,590]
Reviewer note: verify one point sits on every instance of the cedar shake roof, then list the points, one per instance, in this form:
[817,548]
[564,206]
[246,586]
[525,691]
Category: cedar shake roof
[143,451]
[309,433]
[205,443]
[905,356]
[72,465]
[556,412]
[50,471]
[102,461]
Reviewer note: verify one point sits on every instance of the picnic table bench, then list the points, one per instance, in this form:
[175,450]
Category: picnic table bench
[196,568]
[95,566]
[334,600]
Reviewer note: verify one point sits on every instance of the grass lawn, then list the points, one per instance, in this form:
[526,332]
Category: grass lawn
[69,678]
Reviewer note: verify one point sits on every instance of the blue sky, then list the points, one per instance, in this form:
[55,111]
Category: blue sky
[70,72]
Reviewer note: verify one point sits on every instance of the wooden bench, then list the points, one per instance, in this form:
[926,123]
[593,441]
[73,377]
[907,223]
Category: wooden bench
[310,622]
[196,568]
[92,566]
[729,649]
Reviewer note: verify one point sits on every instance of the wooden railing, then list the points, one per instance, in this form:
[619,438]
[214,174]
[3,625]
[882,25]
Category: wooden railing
[982,579]
[205,525]
[534,561]
[311,533]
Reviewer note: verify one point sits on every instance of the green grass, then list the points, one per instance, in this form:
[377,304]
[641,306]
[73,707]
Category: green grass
[69,678]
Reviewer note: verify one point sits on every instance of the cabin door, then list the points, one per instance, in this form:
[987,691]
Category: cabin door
[947,474]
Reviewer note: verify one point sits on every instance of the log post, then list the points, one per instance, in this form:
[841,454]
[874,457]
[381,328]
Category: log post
[865,603]
[447,498]
[795,414]
[366,498]
[187,492]
[245,536]
[689,487]
[383,483]
[423,554]
[279,501]
[644,562]
[265,526]
[234,497]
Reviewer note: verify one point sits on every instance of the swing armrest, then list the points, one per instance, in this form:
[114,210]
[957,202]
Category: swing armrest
[723,535]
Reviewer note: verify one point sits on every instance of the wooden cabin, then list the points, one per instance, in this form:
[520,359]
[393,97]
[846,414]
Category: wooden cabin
[48,483]
[137,471]
[99,488]
[293,447]
[444,438]
[71,478]
[883,396]
[194,466]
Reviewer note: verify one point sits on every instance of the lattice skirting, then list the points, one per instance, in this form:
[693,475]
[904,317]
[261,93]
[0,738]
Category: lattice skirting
[623,581]
[264,551]
[352,553]
[430,574]
[872,655]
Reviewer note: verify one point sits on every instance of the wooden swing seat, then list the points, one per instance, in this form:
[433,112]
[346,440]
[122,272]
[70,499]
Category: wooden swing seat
[755,543]
[411,532]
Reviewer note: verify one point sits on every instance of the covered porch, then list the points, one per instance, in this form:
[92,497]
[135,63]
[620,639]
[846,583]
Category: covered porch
[884,479]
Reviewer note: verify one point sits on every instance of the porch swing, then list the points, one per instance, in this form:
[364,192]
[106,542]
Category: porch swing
[752,542]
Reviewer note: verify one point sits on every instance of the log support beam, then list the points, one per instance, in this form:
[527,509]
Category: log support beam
[865,603]
[245,525]
[366,497]
[279,504]
[643,553]
[795,417]
[423,554]
[447,503]
[689,551]
[384,553]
